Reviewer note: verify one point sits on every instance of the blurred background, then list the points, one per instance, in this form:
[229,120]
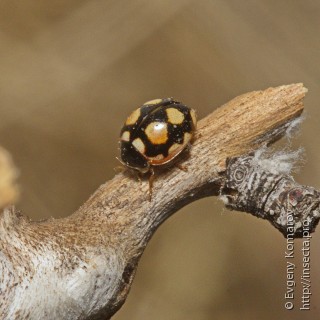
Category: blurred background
[71,71]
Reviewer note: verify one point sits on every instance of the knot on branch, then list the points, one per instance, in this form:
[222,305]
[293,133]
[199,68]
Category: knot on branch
[251,187]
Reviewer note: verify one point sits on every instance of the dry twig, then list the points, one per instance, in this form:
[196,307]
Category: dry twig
[82,266]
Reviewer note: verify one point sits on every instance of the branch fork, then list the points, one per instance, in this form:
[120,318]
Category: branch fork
[82,266]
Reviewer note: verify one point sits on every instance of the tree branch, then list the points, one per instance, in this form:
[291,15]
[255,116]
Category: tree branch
[82,266]
[8,174]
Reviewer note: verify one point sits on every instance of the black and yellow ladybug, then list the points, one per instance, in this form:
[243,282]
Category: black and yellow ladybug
[156,133]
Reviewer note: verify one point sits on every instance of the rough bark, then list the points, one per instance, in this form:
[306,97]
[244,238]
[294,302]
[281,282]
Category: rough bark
[266,193]
[82,266]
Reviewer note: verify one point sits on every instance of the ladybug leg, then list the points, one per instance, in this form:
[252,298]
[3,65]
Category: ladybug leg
[196,136]
[139,177]
[182,167]
[151,180]
[119,169]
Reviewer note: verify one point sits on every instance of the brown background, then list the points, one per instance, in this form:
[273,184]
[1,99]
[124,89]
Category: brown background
[71,71]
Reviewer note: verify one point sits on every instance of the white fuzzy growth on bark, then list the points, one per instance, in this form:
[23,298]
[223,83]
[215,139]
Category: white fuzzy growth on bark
[294,127]
[282,161]
[277,162]
[43,289]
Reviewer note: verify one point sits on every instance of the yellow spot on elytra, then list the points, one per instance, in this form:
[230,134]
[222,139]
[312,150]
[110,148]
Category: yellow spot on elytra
[125,136]
[193,117]
[152,102]
[175,148]
[157,157]
[157,132]
[174,116]
[139,145]
[134,116]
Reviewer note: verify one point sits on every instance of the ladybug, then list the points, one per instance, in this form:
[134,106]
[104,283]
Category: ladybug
[155,134]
